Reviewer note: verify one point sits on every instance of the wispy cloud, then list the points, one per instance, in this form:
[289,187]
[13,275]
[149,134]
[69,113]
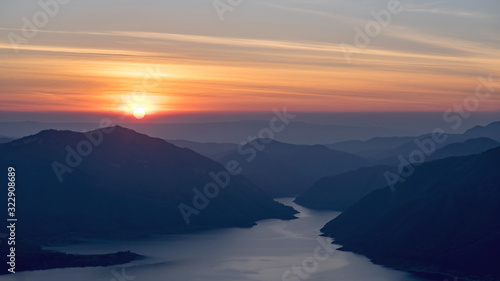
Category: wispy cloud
[448,12]
[248,43]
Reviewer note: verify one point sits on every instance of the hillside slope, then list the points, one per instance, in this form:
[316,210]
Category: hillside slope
[129,183]
[445,218]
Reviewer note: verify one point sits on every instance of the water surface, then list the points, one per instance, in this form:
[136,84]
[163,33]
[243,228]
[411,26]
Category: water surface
[264,252]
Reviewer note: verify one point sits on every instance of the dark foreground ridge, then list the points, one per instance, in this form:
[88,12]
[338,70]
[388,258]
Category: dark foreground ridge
[444,219]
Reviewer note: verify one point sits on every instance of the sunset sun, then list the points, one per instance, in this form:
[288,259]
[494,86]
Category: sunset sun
[139,112]
[137,105]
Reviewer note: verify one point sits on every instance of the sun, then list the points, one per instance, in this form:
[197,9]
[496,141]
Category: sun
[138,105]
[139,112]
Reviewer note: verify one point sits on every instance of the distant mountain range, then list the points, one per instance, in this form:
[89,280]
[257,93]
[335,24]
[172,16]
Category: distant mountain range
[211,150]
[386,149]
[443,219]
[296,132]
[468,147]
[341,191]
[371,146]
[129,183]
[283,169]
[491,130]
[277,171]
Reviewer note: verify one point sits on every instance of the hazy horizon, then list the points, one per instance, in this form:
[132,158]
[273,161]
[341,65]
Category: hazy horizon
[423,120]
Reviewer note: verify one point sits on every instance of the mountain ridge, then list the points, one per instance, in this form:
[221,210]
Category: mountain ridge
[442,219]
[125,173]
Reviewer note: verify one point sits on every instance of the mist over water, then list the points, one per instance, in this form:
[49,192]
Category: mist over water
[263,252]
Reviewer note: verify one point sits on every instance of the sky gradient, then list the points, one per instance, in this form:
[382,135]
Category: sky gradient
[179,56]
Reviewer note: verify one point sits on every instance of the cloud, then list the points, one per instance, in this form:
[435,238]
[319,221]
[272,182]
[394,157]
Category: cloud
[450,12]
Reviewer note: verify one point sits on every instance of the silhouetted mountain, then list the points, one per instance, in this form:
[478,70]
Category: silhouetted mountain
[222,132]
[283,169]
[366,148]
[491,131]
[5,139]
[212,150]
[342,191]
[129,183]
[468,147]
[387,149]
[443,219]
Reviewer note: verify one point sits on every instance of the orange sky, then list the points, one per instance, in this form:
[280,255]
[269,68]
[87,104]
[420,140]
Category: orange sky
[207,65]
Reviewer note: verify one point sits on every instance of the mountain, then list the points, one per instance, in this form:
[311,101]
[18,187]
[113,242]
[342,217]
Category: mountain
[390,157]
[491,131]
[117,182]
[283,169]
[367,147]
[342,191]
[444,219]
[386,150]
[211,150]
[468,147]
[295,131]
[5,139]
